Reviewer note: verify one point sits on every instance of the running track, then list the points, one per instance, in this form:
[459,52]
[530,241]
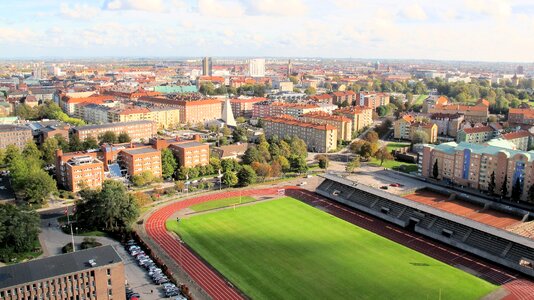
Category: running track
[216,287]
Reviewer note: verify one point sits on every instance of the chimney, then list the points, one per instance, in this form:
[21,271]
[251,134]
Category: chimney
[131,144]
[59,152]
[196,137]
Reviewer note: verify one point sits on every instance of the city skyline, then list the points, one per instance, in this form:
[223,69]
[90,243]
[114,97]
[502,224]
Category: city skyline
[470,30]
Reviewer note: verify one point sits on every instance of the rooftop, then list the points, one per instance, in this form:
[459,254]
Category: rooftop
[189,145]
[452,147]
[40,269]
[111,125]
[134,151]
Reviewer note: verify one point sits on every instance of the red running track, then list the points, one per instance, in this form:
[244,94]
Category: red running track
[217,288]
[204,276]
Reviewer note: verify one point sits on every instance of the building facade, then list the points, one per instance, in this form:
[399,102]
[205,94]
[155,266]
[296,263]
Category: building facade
[78,170]
[319,137]
[199,111]
[14,135]
[342,124]
[191,154]
[137,130]
[472,165]
[256,67]
[521,139]
[96,273]
[360,116]
[476,134]
[472,113]
[448,124]
[139,160]
[521,116]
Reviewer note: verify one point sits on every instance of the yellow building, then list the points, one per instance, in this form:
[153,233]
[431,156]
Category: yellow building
[164,117]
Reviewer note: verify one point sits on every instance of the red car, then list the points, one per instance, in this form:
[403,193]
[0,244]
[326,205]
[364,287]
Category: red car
[396,185]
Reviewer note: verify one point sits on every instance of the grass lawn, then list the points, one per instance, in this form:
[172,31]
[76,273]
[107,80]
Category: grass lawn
[24,256]
[221,203]
[285,249]
[394,145]
[395,165]
[420,99]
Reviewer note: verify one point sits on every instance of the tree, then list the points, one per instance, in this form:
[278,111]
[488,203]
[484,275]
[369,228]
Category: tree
[90,143]
[108,137]
[263,170]
[298,164]
[298,147]
[240,120]
[215,163]
[179,185]
[366,150]
[246,176]
[31,151]
[168,163]
[49,148]
[230,165]
[435,170]
[420,137]
[124,137]
[353,164]
[504,187]
[516,191]
[284,163]
[310,90]
[226,131]
[240,134]
[252,155]
[24,111]
[11,153]
[19,230]
[111,209]
[38,186]
[371,136]
[143,178]
[491,184]
[141,199]
[276,169]
[229,178]
[75,144]
[323,161]
[294,79]
[383,154]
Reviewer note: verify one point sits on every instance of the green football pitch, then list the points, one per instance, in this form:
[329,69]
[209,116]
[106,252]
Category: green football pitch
[285,249]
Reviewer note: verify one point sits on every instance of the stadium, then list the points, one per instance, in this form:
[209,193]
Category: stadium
[467,248]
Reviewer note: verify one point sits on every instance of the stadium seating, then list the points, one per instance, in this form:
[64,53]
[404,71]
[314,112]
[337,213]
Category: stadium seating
[507,251]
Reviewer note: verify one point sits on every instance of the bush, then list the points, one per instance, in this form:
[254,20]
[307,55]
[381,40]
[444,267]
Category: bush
[89,242]
[67,248]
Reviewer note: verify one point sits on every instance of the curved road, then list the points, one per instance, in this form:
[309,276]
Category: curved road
[216,286]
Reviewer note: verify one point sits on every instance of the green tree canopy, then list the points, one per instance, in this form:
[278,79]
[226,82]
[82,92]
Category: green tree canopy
[108,137]
[168,163]
[124,137]
[229,178]
[19,229]
[246,176]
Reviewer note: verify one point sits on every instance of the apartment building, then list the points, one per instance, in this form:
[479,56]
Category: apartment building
[522,139]
[139,160]
[359,115]
[71,105]
[191,154]
[137,130]
[244,107]
[471,165]
[342,124]
[448,124]
[372,99]
[323,98]
[521,116]
[401,127]
[340,97]
[274,109]
[430,129]
[472,113]
[78,170]
[96,273]
[318,137]
[95,113]
[476,134]
[199,110]
[14,135]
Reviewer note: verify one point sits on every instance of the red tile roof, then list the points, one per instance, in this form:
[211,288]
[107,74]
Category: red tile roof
[478,129]
[516,135]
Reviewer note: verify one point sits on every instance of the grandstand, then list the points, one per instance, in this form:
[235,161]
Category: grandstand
[497,245]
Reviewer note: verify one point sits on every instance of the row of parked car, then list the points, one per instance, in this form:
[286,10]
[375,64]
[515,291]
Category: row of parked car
[154,271]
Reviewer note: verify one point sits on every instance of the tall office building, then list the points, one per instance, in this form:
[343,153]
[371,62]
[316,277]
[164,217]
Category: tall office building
[207,66]
[256,67]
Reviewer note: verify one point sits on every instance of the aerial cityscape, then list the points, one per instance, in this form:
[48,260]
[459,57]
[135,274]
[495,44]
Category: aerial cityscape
[296,149]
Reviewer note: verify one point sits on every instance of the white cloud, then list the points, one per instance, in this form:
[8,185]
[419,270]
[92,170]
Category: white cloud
[17,36]
[220,8]
[278,7]
[493,8]
[78,11]
[414,12]
[142,5]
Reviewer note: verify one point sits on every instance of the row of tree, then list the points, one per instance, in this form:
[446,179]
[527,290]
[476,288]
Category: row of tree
[19,230]
[46,110]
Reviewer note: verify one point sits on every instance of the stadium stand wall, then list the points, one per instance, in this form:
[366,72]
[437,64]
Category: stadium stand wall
[491,243]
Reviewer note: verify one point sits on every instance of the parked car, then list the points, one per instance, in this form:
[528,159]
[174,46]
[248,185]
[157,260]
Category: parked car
[384,187]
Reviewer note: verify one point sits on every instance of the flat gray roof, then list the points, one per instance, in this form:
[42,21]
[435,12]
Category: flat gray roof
[437,212]
[188,145]
[54,266]
[140,150]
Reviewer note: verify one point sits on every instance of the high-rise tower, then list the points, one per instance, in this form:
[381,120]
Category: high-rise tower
[207,66]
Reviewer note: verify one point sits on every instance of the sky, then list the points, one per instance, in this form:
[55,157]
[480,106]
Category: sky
[476,30]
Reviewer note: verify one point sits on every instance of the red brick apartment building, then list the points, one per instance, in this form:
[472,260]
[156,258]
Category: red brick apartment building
[244,107]
[77,170]
[137,130]
[96,273]
[139,160]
